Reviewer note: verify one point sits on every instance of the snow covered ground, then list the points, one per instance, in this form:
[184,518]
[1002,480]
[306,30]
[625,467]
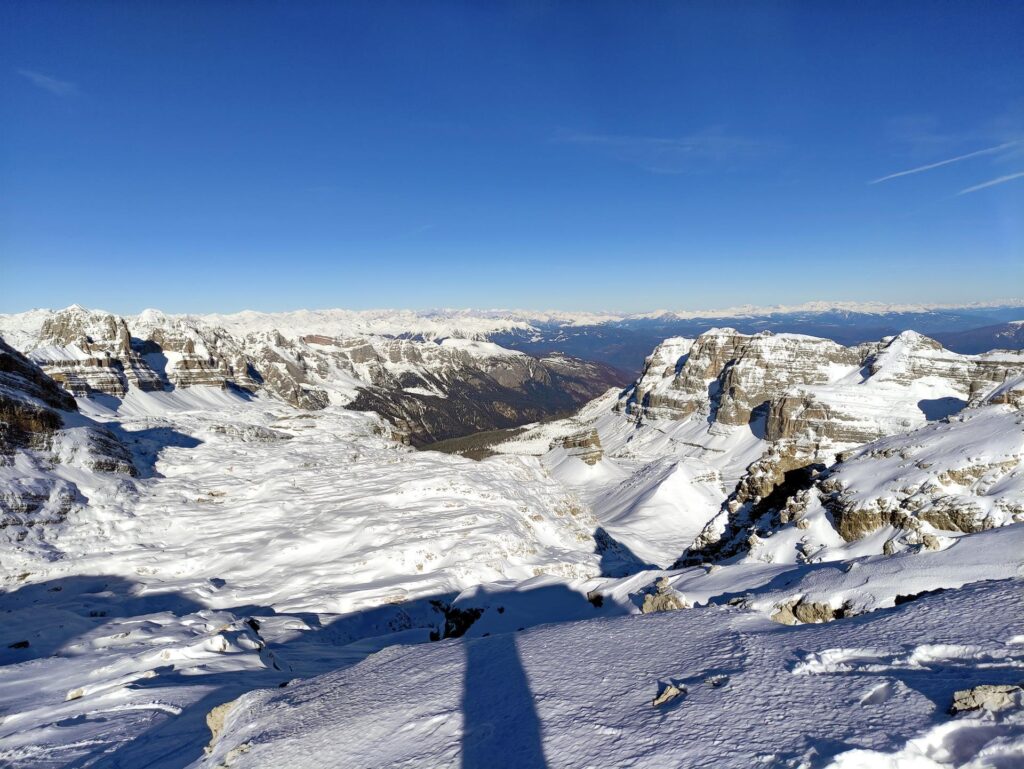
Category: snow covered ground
[351,602]
[254,512]
[872,691]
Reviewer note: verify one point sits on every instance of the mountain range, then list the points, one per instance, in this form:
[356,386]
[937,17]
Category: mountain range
[218,548]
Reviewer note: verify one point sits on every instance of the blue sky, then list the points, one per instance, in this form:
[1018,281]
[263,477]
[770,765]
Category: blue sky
[631,156]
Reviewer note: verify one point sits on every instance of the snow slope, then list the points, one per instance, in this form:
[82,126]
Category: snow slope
[866,692]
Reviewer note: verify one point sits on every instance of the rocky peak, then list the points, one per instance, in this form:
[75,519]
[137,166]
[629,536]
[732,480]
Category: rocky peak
[910,356]
[98,332]
[727,375]
[810,399]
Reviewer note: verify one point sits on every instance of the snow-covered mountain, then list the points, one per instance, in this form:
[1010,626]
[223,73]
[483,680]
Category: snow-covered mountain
[430,389]
[742,422]
[205,562]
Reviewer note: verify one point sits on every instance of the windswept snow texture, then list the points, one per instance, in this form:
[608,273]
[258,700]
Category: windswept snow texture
[868,692]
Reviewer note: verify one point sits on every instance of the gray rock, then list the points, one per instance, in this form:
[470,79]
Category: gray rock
[992,698]
[668,693]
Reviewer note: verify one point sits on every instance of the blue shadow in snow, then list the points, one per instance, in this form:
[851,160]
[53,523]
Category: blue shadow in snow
[500,725]
[940,408]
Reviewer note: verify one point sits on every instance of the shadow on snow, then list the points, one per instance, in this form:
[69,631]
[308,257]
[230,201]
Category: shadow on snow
[500,722]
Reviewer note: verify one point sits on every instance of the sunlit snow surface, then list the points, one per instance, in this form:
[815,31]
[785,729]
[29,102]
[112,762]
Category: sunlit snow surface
[865,692]
[264,545]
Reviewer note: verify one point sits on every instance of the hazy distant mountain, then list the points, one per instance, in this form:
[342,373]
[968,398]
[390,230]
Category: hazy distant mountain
[624,341]
[1006,336]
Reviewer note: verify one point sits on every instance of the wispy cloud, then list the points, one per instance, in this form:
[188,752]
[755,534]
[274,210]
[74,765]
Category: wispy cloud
[939,164]
[668,155]
[992,182]
[47,83]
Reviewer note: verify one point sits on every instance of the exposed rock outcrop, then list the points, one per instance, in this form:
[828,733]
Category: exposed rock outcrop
[585,446]
[668,693]
[808,612]
[807,388]
[35,437]
[30,403]
[943,475]
[811,399]
[726,375]
[991,697]
[665,598]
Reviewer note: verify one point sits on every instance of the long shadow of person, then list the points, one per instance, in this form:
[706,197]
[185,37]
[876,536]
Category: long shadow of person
[500,724]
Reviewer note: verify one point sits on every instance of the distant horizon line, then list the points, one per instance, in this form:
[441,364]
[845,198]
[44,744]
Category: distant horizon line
[871,307]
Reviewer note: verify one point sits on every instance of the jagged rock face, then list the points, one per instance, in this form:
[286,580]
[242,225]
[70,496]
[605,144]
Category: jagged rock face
[813,390]
[90,330]
[29,403]
[94,352]
[34,438]
[818,399]
[189,354]
[768,366]
[727,375]
[430,390]
[18,373]
[1009,393]
[965,475]
[886,397]
[88,351]
[654,392]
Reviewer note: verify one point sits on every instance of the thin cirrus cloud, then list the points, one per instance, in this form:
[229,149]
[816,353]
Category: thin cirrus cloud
[992,183]
[47,83]
[668,155]
[948,161]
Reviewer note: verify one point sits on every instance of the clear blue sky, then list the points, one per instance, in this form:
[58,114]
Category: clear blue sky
[215,156]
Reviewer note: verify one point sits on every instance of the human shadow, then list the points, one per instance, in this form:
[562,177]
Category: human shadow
[500,726]
[500,723]
[61,618]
